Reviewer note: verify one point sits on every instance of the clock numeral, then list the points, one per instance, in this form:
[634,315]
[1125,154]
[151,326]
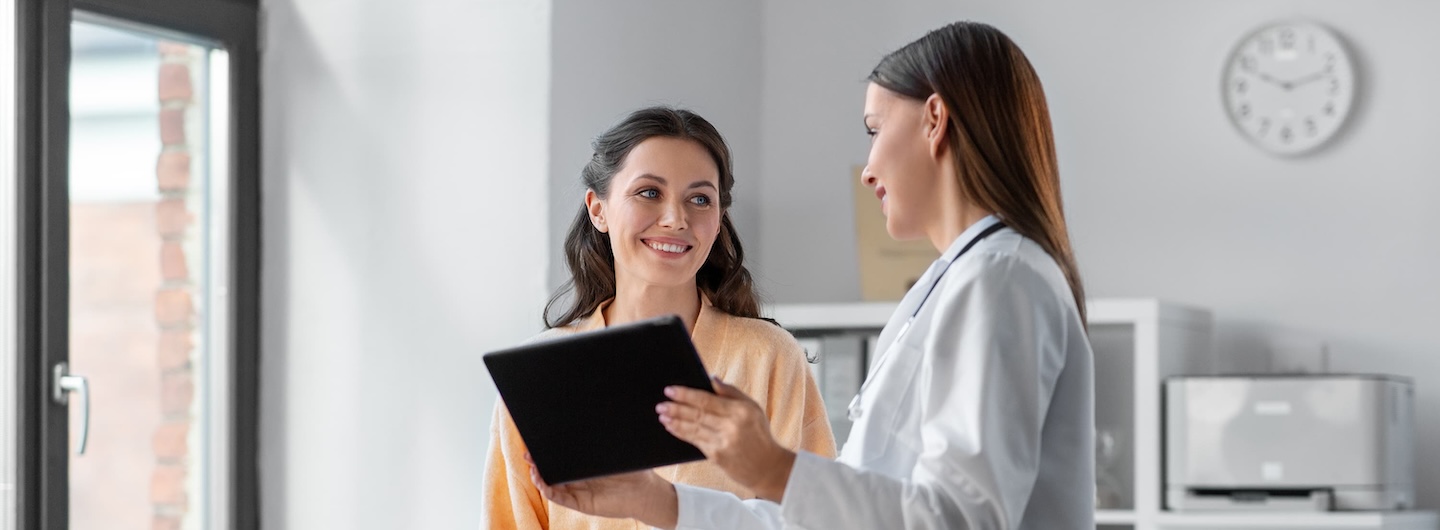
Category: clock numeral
[1310,128]
[1334,86]
[1244,111]
[1329,59]
[1285,134]
[1264,127]
[1240,86]
[1287,39]
[1247,63]
[1329,108]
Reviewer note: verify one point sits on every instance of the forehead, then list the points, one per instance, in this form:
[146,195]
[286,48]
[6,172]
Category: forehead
[878,99]
[677,160]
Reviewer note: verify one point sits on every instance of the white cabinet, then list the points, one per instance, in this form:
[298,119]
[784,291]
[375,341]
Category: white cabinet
[1137,344]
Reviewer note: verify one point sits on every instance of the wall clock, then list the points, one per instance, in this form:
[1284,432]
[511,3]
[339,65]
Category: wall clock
[1288,87]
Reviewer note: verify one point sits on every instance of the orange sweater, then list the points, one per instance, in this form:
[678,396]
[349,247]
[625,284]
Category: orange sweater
[756,356]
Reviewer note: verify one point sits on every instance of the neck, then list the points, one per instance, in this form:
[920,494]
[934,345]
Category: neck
[636,300]
[953,221]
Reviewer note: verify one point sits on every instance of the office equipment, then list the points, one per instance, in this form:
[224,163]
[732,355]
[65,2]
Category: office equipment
[1289,443]
[585,403]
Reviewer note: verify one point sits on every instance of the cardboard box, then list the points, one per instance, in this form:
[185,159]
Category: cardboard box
[887,267]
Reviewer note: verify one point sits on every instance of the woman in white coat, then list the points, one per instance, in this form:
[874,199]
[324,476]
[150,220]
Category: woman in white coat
[979,412]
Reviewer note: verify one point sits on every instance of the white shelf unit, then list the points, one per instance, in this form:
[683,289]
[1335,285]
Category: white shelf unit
[1138,342]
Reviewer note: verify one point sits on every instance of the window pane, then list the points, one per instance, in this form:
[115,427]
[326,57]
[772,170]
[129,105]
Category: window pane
[143,276]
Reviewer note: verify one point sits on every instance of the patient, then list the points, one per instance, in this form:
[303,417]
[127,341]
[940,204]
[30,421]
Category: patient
[653,238]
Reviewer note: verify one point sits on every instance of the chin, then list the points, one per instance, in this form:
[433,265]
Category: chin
[899,232]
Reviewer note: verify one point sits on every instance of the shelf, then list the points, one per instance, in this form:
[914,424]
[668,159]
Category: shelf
[859,315]
[1114,517]
[1301,521]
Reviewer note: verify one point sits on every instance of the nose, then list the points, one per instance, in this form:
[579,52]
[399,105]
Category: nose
[673,216]
[867,178]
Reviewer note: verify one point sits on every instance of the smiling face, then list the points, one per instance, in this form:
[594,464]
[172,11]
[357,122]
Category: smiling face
[902,169]
[662,213]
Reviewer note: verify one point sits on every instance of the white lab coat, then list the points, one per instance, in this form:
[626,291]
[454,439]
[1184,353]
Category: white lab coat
[982,417]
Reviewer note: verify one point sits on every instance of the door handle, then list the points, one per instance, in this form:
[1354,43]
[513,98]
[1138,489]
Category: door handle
[61,388]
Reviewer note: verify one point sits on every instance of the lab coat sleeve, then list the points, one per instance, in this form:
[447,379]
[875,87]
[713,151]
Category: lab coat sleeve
[707,509]
[990,362]
[510,499]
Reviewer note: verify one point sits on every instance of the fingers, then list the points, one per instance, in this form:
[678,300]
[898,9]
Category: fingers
[540,485]
[690,396]
[687,423]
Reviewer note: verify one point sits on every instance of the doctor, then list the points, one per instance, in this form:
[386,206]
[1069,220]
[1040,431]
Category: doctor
[979,412]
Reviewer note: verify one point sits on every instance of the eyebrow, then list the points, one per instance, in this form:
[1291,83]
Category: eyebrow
[661,180]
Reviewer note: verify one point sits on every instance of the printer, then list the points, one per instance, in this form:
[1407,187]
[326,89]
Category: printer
[1289,443]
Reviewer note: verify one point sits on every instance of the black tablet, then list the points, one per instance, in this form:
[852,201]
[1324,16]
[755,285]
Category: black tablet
[585,403]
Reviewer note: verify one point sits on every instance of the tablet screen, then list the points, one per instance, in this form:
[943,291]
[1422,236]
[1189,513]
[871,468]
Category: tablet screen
[585,403]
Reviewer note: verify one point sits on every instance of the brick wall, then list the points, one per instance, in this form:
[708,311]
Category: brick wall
[176,475]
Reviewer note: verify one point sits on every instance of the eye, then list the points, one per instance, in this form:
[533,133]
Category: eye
[871,132]
[701,200]
[649,193]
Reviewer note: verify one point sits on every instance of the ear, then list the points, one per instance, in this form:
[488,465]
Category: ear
[596,207]
[937,119]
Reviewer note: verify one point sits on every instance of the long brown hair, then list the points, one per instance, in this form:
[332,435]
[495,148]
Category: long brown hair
[999,129]
[723,277]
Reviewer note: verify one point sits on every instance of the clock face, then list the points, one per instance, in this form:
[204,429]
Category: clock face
[1288,87]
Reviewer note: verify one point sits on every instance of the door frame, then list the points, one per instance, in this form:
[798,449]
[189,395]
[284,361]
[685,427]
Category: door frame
[42,289]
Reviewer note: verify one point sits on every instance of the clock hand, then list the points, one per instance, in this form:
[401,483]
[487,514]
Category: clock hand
[1267,78]
[1309,78]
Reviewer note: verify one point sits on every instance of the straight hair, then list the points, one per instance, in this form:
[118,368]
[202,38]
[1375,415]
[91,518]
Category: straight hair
[999,129]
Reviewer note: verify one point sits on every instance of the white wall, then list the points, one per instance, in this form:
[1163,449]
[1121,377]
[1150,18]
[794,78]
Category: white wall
[610,58]
[405,183]
[1163,197]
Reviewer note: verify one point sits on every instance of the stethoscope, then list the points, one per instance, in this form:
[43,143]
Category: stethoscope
[855,411]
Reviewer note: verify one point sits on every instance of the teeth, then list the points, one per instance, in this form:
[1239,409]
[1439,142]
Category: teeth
[663,247]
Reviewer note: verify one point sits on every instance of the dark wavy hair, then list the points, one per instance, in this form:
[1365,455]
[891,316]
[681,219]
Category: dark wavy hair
[999,129]
[723,277]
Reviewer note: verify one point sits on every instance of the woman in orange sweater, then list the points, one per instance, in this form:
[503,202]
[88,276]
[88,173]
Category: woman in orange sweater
[654,238]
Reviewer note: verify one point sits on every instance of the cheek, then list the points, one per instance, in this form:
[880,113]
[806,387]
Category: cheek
[709,225]
[629,219]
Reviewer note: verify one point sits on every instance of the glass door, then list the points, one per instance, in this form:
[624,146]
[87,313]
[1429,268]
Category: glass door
[148,233]
[138,250]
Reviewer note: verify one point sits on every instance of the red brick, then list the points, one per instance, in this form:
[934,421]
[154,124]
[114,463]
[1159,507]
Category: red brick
[165,522]
[172,126]
[172,171]
[175,347]
[171,217]
[170,440]
[175,82]
[177,391]
[167,485]
[172,262]
[173,307]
